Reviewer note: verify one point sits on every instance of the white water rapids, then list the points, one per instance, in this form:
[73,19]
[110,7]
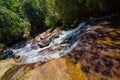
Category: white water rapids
[60,46]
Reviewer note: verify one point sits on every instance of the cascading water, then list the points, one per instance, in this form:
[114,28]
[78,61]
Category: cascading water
[63,44]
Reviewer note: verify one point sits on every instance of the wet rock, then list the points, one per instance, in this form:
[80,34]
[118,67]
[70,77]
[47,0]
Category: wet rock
[43,35]
[8,54]
[37,38]
[43,43]
[5,65]
[99,53]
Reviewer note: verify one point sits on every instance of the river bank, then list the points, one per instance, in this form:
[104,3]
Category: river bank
[95,57]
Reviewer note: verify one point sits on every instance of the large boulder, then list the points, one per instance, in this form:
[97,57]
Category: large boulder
[58,69]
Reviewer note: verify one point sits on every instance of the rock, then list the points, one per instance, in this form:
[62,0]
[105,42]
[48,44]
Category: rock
[37,38]
[48,34]
[45,38]
[26,34]
[8,54]
[2,46]
[99,54]
[49,30]
[43,43]
[5,65]
[43,35]
[58,69]
[53,70]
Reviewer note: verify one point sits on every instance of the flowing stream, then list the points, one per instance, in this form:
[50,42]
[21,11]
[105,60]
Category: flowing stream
[60,44]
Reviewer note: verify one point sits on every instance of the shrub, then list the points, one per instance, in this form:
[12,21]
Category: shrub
[70,10]
[36,12]
[11,25]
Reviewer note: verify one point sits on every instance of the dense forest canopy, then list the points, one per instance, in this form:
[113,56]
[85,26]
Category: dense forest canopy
[19,17]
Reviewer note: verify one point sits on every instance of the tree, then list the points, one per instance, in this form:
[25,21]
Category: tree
[36,12]
[11,25]
[69,10]
[65,10]
[15,6]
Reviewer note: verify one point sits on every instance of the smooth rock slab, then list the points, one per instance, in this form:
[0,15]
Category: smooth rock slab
[6,65]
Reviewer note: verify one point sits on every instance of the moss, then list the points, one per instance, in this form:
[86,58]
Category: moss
[113,34]
[110,38]
[117,31]
[109,41]
[75,70]
[98,41]
[60,48]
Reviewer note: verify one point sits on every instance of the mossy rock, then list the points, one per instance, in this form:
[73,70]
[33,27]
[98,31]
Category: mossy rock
[2,46]
[75,70]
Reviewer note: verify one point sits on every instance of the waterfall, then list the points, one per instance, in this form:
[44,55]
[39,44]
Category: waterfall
[60,46]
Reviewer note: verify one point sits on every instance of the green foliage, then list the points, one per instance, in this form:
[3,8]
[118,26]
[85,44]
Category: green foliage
[11,25]
[51,18]
[69,10]
[51,21]
[103,6]
[92,5]
[14,5]
[36,12]
[65,10]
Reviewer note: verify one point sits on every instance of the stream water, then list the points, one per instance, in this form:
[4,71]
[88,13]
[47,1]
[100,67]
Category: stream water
[58,46]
